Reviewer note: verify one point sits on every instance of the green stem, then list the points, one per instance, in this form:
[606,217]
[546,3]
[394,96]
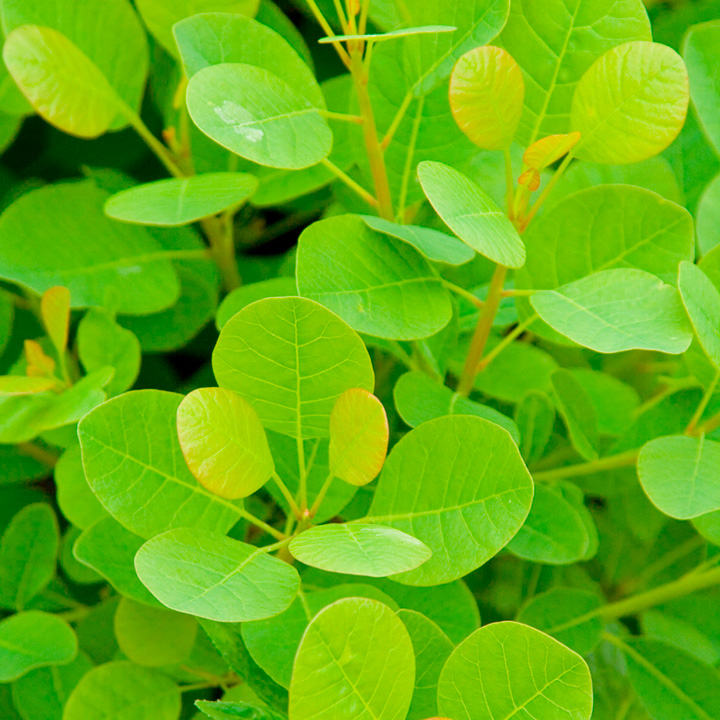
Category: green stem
[525,221]
[409,164]
[482,331]
[294,509]
[515,333]
[395,124]
[321,495]
[269,529]
[462,292]
[707,396]
[157,148]
[36,452]
[220,235]
[611,462]
[327,29]
[343,117]
[302,473]
[354,186]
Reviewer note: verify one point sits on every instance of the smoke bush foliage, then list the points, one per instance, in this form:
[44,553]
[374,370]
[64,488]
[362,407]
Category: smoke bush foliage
[329,328]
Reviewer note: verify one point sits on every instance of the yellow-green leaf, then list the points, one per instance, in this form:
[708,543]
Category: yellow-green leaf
[223,442]
[486,96]
[55,311]
[358,437]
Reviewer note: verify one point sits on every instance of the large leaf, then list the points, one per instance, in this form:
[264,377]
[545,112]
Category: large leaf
[373,680]
[616,310]
[117,45]
[630,104]
[134,465]
[681,475]
[507,670]
[671,683]
[378,285]
[98,260]
[291,359]
[161,15]
[700,50]
[224,442]
[28,553]
[179,201]
[259,116]
[359,549]
[606,227]
[215,577]
[702,302]
[471,214]
[61,83]
[34,639]
[459,485]
[555,42]
[124,690]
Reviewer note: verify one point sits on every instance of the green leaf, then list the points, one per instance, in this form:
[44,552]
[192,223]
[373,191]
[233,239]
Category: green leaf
[34,639]
[375,678]
[535,418]
[457,484]
[378,285]
[291,358]
[152,636]
[134,465]
[432,244]
[700,51]
[419,398]
[471,214]
[707,217]
[215,577]
[358,437]
[239,298]
[74,496]
[432,648]
[117,46]
[602,228]
[273,643]
[702,303]
[575,407]
[359,549]
[223,442]
[97,260]
[219,710]
[161,15]
[25,385]
[102,342]
[507,669]
[28,553]
[259,116]
[42,693]
[630,104]
[123,690]
[61,83]
[680,475]
[669,682]
[616,310]
[555,43]
[179,201]
[109,549]
[486,96]
[554,533]
[568,614]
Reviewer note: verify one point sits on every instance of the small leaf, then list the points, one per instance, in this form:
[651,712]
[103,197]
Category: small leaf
[681,475]
[215,577]
[356,653]
[63,85]
[124,690]
[179,201]
[223,442]
[55,311]
[630,104]
[702,303]
[24,385]
[616,310]
[359,435]
[291,358]
[219,710]
[153,636]
[507,669]
[359,549]
[544,152]
[259,116]
[34,639]
[486,96]
[577,411]
[471,214]
[535,418]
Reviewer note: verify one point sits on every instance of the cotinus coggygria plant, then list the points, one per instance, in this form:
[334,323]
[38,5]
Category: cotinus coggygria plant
[360,360]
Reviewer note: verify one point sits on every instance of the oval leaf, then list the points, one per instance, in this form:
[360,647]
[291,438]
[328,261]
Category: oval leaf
[702,303]
[359,549]
[630,104]
[215,577]
[359,434]
[486,96]
[223,442]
